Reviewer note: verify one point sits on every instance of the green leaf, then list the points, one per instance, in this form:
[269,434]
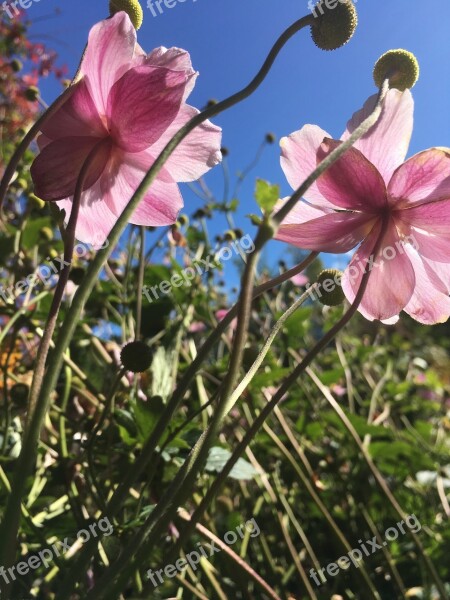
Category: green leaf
[32,233]
[146,415]
[217,459]
[267,195]
[162,367]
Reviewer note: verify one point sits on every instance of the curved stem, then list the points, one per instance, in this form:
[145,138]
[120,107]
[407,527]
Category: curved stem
[268,408]
[83,292]
[359,132]
[37,410]
[146,455]
[113,579]
[187,474]
[265,349]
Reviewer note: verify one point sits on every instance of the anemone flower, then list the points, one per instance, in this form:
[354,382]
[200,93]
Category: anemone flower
[125,109]
[372,195]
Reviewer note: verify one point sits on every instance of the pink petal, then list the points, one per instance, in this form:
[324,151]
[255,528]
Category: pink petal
[77,117]
[298,160]
[56,169]
[42,141]
[386,144]
[142,105]
[197,153]
[302,212]
[428,226]
[391,282]
[425,177]
[95,219]
[311,229]
[108,56]
[430,302]
[352,182]
[300,279]
[174,59]
[162,202]
[441,271]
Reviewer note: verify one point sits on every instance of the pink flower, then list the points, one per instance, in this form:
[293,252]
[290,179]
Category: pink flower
[197,326]
[300,279]
[222,313]
[127,106]
[370,190]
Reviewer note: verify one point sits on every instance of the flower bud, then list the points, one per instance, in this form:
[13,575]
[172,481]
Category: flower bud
[131,7]
[229,235]
[16,65]
[32,93]
[400,67]
[46,233]
[329,287]
[136,357]
[19,393]
[38,202]
[183,220]
[21,183]
[77,275]
[270,138]
[333,27]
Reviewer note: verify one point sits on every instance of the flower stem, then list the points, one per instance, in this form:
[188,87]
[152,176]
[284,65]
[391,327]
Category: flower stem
[37,410]
[359,132]
[269,407]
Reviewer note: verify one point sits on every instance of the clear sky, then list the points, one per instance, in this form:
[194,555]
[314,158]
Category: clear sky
[228,41]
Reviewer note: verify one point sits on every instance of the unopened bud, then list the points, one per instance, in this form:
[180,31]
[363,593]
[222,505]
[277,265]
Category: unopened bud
[131,7]
[333,27]
[32,93]
[400,67]
[16,65]
[329,284]
[136,357]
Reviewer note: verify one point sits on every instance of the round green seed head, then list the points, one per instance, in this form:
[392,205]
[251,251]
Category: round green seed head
[229,235]
[329,287]
[32,93]
[16,65]
[131,7]
[400,66]
[46,233]
[77,275]
[19,393]
[136,357]
[333,27]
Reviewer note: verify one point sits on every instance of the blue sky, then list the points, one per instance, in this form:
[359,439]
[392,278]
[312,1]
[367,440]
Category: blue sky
[228,41]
